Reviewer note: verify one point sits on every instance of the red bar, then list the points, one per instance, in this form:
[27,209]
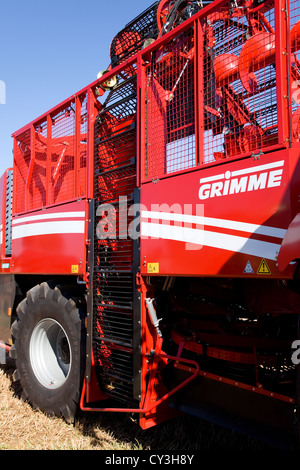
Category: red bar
[199,101]
[48,167]
[148,408]
[32,161]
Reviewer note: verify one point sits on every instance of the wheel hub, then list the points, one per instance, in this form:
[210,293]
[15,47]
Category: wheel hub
[50,353]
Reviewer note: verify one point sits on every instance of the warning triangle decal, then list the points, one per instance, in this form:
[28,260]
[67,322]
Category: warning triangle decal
[263,268]
[248,269]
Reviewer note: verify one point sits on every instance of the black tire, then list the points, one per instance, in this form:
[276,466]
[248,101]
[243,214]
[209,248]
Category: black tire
[49,351]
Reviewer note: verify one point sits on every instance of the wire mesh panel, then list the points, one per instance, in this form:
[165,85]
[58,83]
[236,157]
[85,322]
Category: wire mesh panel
[36,182]
[114,278]
[81,189]
[240,99]
[22,157]
[132,38]
[51,158]
[62,154]
[69,152]
[170,109]
[230,87]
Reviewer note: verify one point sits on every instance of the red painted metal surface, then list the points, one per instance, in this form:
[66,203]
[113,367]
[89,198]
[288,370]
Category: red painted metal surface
[199,225]
[193,215]
[50,158]
[257,389]
[216,131]
[51,240]
[149,404]
[290,250]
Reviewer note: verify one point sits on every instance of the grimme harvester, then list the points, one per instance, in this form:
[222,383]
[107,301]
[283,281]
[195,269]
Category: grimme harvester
[150,237]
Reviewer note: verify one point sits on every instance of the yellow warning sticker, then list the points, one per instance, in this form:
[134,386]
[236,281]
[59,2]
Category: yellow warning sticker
[263,268]
[153,268]
[75,269]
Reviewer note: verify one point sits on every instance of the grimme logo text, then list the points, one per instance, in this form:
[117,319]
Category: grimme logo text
[241,181]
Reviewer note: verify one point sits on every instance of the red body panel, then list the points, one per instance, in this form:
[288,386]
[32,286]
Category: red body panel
[51,241]
[290,249]
[223,220]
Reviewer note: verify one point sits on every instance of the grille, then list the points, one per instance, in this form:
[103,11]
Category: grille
[132,38]
[8,213]
[240,99]
[170,110]
[219,82]
[115,181]
[50,158]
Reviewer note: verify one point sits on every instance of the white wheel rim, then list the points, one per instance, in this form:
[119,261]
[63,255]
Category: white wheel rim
[50,353]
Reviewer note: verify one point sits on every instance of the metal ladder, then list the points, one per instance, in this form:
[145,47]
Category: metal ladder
[114,292]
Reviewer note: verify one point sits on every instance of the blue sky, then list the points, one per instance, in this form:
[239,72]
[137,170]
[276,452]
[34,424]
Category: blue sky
[50,50]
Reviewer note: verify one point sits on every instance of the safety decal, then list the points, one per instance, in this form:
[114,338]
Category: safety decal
[75,269]
[248,269]
[153,268]
[5,266]
[263,268]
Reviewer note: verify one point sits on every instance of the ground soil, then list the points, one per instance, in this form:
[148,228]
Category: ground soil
[22,428]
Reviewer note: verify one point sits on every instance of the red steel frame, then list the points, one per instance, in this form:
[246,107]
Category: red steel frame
[282,90]
[162,192]
[165,189]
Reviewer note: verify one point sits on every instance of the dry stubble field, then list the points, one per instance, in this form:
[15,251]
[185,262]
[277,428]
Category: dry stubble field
[22,428]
